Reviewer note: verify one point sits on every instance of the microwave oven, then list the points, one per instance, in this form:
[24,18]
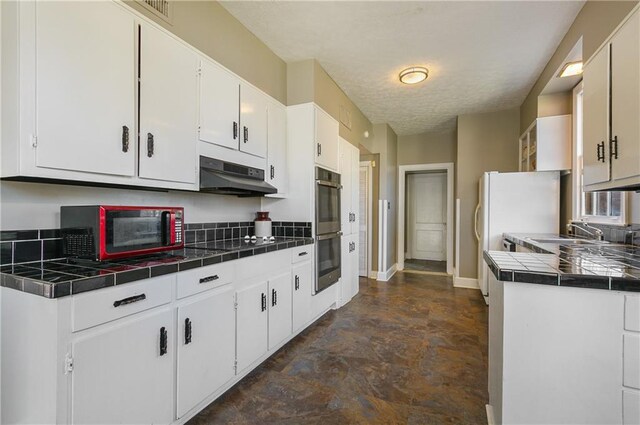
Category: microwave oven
[103,232]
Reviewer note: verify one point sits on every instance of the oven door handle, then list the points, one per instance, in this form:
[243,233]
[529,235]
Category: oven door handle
[329,184]
[329,236]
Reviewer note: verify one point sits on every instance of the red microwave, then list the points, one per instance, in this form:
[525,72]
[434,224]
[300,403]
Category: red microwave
[103,232]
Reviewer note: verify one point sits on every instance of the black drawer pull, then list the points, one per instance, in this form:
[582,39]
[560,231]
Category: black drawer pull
[613,148]
[130,300]
[235,130]
[274,297]
[163,341]
[302,254]
[600,156]
[149,145]
[125,138]
[209,278]
[264,301]
[187,331]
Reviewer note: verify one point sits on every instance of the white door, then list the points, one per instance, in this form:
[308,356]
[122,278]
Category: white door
[251,323]
[280,321]
[346,217]
[625,99]
[124,374]
[596,119]
[277,170]
[427,216]
[355,189]
[363,208]
[219,106]
[206,346]
[168,108]
[85,78]
[253,119]
[302,293]
[327,140]
[346,269]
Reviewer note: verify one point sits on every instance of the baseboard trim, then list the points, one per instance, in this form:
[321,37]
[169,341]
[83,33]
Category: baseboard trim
[373,275]
[465,282]
[490,418]
[385,276]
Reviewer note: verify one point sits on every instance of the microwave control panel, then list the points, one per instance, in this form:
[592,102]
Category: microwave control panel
[178,227]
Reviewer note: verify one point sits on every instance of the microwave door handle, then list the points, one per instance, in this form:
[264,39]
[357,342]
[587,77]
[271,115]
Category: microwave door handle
[168,228]
[172,228]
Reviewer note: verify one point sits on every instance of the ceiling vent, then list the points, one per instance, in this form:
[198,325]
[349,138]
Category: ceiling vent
[160,8]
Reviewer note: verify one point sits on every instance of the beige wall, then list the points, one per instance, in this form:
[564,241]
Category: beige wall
[594,23]
[555,104]
[486,142]
[210,28]
[427,148]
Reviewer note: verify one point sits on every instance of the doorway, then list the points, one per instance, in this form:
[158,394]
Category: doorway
[425,219]
[365,211]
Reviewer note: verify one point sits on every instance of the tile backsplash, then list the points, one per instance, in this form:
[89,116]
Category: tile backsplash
[22,246]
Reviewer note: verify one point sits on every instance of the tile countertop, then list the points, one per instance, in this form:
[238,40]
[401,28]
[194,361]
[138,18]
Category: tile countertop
[67,276]
[590,264]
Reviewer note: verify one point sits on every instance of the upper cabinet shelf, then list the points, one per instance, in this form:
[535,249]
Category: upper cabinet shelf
[546,145]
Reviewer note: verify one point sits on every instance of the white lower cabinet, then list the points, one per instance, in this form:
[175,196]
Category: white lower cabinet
[279,309]
[124,373]
[349,260]
[251,324]
[302,291]
[206,346]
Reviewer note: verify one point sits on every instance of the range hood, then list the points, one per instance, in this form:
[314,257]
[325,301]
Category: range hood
[227,178]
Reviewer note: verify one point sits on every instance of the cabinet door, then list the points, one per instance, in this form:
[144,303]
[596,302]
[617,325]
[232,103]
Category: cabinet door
[253,119]
[280,325]
[168,108]
[346,216]
[251,324]
[85,87]
[355,189]
[355,266]
[302,293]
[595,119]
[206,347]
[219,106]
[123,375]
[345,278]
[327,140]
[277,170]
[625,99]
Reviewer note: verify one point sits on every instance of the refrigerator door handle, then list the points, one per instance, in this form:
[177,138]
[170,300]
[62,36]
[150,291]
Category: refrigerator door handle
[475,222]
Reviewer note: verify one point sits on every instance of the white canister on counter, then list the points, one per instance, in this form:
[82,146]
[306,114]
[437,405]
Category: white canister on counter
[263,224]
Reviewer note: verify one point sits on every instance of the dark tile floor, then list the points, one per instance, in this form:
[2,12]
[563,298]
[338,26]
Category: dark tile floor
[412,350]
[425,265]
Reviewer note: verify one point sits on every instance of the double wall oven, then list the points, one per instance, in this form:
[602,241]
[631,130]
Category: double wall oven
[328,267]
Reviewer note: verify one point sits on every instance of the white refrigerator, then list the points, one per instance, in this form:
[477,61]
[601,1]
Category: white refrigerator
[514,203]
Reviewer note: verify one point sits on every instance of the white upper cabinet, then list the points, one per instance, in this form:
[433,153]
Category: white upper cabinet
[346,212]
[253,119]
[326,137]
[168,107]
[277,173]
[85,81]
[219,106]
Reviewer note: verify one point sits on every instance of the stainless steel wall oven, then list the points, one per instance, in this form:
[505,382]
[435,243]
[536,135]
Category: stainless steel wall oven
[328,234]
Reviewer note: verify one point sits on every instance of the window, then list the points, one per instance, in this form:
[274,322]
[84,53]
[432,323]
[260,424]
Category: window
[598,207]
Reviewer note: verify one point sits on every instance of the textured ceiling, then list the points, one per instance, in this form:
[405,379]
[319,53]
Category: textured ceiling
[482,56]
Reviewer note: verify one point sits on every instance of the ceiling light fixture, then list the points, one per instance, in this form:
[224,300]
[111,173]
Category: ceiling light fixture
[413,75]
[570,69]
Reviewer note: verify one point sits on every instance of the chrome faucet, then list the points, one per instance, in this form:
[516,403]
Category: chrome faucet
[596,233]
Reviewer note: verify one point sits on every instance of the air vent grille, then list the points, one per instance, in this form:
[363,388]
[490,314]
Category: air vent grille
[161,8]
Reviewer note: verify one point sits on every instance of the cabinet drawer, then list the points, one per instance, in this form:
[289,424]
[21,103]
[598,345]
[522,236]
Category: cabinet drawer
[101,306]
[630,407]
[632,313]
[631,357]
[204,278]
[301,253]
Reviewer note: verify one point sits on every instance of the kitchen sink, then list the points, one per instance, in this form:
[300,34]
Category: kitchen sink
[567,241]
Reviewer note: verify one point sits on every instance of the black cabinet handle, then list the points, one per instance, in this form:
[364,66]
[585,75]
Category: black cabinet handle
[613,148]
[187,331]
[264,301]
[319,149]
[149,145]
[246,134]
[163,341]
[274,299]
[297,285]
[302,254]
[130,300]
[235,130]
[273,172]
[209,278]
[125,138]
[600,156]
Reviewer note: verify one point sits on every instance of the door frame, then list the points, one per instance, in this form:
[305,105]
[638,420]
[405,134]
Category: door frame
[369,166]
[448,168]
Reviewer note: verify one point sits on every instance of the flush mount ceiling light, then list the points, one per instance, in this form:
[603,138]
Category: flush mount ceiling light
[570,69]
[413,75]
